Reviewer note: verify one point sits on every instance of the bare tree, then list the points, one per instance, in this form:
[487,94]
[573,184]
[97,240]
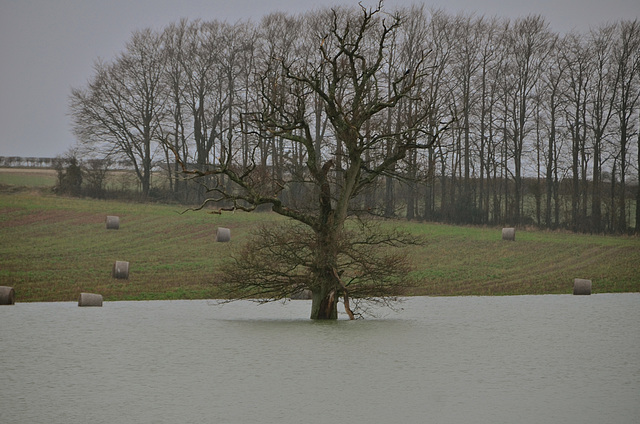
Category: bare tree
[578,73]
[552,78]
[466,66]
[205,93]
[347,74]
[122,109]
[638,176]
[530,43]
[627,59]
[176,130]
[493,63]
[436,97]
[603,89]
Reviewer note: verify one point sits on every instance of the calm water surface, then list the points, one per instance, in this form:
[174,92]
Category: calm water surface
[521,359]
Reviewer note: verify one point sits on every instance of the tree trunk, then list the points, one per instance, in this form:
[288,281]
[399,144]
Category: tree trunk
[622,208]
[596,207]
[638,192]
[389,198]
[411,186]
[324,303]
[324,288]
[550,167]
[575,192]
[429,197]
[613,217]
[326,284]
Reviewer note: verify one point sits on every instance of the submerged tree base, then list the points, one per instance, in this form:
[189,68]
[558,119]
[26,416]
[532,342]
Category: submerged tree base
[324,307]
[280,262]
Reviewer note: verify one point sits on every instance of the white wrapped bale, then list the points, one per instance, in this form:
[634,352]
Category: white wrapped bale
[90,299]
[7,296]
[113,222]
[223,234]
[509,234]
[581,286]
[120,270]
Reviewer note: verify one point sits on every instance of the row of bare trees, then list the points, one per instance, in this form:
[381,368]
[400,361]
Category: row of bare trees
[544,127]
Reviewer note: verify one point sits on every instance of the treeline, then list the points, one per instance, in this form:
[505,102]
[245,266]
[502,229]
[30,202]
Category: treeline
[545,126]
[38,162]
[28,162]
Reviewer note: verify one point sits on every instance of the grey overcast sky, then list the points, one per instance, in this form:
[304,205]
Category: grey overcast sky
[49,46]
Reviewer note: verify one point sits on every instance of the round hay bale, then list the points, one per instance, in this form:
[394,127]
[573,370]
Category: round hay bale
[509,234]
[223,234]
[120,270]
[90,299]
[7,296]
[581,286]
[113,222]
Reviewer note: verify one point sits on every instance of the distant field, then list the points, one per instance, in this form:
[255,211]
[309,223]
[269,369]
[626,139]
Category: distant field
[47,177]
[52,248]
[28,177]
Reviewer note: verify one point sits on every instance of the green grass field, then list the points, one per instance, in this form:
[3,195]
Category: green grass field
[52,248]
[28,177]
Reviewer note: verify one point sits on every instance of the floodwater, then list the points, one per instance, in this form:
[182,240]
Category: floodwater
[521,359]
